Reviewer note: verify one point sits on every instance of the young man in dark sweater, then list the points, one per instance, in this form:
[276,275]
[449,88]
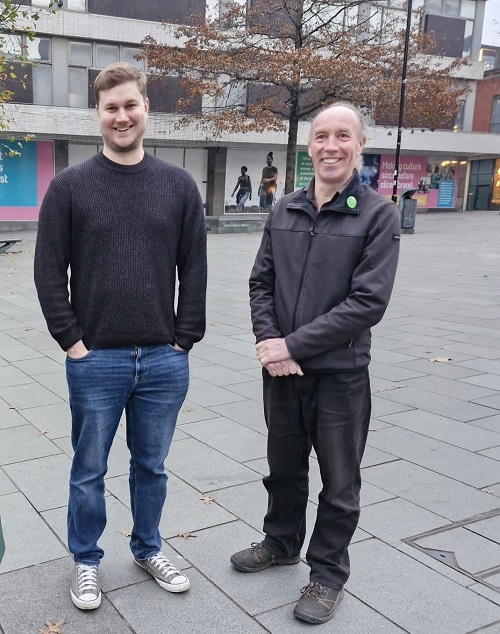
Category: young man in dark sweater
[125,223]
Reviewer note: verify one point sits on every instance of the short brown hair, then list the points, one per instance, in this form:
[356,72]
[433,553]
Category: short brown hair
[117,74]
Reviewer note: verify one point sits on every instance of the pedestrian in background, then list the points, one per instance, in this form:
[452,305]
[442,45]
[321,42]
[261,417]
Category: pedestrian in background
[322,278]
[125,223]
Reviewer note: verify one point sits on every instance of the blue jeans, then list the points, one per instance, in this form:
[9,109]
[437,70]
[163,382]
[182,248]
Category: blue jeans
[150,384]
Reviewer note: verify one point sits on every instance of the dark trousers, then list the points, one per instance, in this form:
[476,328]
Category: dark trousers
[330,412]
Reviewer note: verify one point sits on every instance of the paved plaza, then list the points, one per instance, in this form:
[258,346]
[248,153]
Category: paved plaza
[426,556]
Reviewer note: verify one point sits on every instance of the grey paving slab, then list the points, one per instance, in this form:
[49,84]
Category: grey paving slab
[397,519]
[204,468]
[408,586]
[29,395]
[490,422]
[490,401]
[9,417]
[482,365]
[228,359]
[374,456]
[33,367]
[12,376]
[230,438]
[491,381]
[185,511]
[210,553]
[206,395]
[192,412]
[24,443]
[219,375]
[43,481]
[20,352]
[55,419]
[382,407]
[246,412]
[492,453]
[475,351]
[473,552]
[351,617]
[203,608]
[6,484]
[449,387]
[491,595]
[41,592]
[432,491]
[28,539]
[392,372]
[438,404]
[447,370]
[389,357]
[55,382]
[489,528]
[433,352]
[441,428]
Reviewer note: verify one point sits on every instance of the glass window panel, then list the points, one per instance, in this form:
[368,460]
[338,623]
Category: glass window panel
[495,116]
[80,53]
[75,5]
[468,9]
[451,7]
[11,45]
[39,49]
[435,6]
[78,88]
[128,53]
[106,54]
[469,27]
[41,3]
[42,84]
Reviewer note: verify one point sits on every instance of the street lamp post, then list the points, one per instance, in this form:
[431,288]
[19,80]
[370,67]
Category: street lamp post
[402,102]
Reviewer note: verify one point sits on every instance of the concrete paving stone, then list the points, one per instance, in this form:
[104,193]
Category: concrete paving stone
[57,355]
[383,341]
[24,443]
[117,568]
[55,382]
[438,404]
[478,340]
[482,365]
[41,592]
[204,468]
[391,372]
[43,365]
[429,331]
[448,387]
[248,413]
[491,595]
[230,438]
[436,493]
[119,456]
[418,339]
[378,385]
[28,539]
[43,481]
[454,462]
[10,376]
[226,329]
[446,370]
[203,608]
[382,407]
[210,553]
[389,357]
[192,412]
[7,324]
[9,417]
[490,401]
[397,519]
[56,419]
[251,390]
[178,434]
[41,342]
[229,359]
[29,395]
[351,617]
[19,353]
[474,553]
[494,453]
[374,456]
[407,586]
[491,381]
[206,395]
[490,422]
[6,484]
[445,429]
[376,424]
[432,352]
[184,510]
[7,340]
[371,494]
[244,348]
[217,375]
[489,528]
[475,351]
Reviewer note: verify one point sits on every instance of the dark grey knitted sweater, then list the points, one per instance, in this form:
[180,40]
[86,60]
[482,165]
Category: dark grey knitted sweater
[124,231]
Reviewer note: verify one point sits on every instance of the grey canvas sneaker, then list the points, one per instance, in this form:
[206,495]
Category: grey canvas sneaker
[85,589]
[164,573]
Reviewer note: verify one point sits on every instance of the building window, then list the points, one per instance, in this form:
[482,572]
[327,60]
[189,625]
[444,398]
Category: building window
[495,115]
[455,8]
[62,5]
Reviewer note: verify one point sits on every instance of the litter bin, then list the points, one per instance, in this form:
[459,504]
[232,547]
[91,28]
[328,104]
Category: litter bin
[408,210]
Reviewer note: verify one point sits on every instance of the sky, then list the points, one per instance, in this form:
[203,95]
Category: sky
[491,28]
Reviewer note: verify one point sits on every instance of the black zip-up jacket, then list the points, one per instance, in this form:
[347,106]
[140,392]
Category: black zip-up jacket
[322,280]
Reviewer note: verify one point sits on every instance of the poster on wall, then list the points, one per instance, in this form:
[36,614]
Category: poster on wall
[255,180]
[25,174]
[435,179]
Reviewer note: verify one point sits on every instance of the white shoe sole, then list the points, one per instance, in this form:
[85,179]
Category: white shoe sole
[169,587]
[85,605]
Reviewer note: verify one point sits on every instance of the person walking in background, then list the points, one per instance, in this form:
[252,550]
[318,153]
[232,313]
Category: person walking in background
[322,278]
[125,223]
[268,184]
[244,187]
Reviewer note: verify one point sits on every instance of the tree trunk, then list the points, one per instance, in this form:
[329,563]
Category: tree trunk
[291,148]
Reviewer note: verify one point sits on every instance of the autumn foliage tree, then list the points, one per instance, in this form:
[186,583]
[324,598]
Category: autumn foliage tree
[274,63]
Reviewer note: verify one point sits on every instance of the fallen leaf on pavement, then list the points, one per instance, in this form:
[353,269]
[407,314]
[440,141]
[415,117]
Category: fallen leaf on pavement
[188,408]
[53,628]
[42,432]
[490,491]
[186,536]
[126,533]
[207,499]
[439,360]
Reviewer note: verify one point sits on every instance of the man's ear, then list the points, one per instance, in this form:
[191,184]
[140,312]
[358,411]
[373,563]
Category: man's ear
[146,104]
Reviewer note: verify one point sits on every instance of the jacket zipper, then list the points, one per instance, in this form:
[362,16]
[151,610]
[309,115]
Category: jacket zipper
[299,290]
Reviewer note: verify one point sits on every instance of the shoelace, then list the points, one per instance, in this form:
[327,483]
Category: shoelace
[313,590]
[163,565]
[87,579]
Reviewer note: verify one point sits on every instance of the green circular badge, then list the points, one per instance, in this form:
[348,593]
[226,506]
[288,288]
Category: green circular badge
[351,202]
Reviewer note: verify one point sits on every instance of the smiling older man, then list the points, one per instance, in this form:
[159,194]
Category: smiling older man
[322,278]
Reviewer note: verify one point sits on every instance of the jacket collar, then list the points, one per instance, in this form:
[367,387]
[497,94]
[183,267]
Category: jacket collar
[345,201]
